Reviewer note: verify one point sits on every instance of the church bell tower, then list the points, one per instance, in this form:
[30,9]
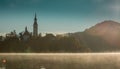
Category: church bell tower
[35,27]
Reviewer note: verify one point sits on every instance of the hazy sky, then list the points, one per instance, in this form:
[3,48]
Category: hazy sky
[57,16]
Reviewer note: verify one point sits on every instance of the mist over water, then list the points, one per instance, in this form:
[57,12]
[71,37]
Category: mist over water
[62,60]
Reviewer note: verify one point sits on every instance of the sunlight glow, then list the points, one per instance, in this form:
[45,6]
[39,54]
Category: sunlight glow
[112,53]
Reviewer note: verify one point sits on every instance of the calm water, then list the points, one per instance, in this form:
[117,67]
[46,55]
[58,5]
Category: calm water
[61,61]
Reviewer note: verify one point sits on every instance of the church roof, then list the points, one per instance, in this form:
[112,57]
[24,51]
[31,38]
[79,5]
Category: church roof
[26,32]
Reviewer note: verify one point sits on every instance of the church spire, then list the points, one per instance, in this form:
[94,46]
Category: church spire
[35,27]
[35,19]
[35,15]
[26,29]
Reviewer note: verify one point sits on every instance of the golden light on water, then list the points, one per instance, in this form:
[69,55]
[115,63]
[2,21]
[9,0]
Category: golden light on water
[62,60]
[60,53]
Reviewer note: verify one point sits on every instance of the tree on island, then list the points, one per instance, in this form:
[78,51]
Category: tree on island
[48,43]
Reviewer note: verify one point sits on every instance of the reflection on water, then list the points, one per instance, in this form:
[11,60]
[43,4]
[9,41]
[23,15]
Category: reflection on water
[60,60]
[42,67]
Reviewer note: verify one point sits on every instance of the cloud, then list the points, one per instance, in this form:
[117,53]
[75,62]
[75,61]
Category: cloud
[108,8]
[98,1]
[114,7]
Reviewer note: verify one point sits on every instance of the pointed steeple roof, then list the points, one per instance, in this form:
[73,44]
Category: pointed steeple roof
[35,19]
[26,29]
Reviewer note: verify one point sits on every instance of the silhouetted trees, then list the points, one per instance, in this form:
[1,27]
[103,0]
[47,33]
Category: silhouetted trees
[48,43]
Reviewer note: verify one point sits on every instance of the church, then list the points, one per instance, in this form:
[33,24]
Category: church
[35,27]
[26,35]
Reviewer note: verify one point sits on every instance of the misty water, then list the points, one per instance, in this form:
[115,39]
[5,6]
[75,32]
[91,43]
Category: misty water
[61,60]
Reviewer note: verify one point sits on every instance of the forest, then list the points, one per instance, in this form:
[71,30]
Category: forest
[47,44]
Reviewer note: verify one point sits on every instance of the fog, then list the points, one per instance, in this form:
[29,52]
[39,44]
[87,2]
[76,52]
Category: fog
[61,60]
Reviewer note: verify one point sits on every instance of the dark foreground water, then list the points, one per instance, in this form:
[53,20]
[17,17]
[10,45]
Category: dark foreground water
[61,61]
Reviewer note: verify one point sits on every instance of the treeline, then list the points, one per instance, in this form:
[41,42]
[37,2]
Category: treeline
[46,44]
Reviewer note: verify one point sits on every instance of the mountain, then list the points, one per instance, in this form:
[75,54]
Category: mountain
[103,37]
[108,31]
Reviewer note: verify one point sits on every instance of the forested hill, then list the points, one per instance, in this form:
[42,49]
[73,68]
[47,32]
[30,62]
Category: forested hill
[103,37]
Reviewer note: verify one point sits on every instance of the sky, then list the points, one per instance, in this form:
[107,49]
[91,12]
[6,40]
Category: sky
[56,16]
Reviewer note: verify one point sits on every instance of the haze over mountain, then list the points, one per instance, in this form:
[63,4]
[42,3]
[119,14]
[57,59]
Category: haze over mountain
[107,30]
[103,37]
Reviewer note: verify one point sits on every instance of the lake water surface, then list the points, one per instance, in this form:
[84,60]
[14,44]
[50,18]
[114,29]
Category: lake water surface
[61,60]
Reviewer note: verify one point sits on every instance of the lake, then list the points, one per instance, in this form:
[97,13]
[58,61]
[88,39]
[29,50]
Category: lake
[60,60]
